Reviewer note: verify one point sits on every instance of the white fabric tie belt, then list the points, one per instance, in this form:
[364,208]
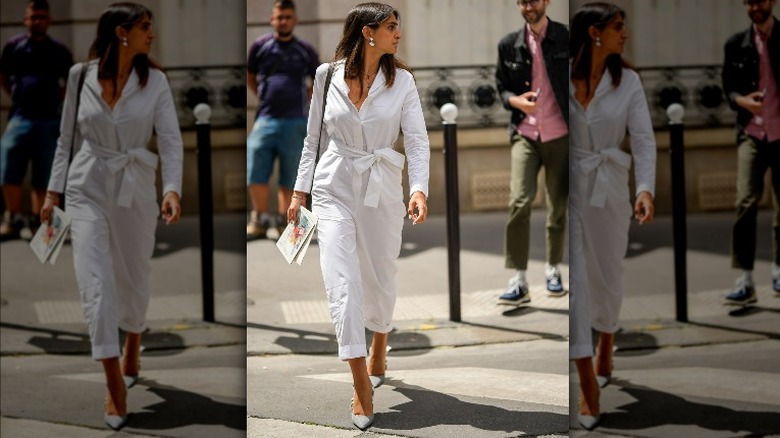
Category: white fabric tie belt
[127,161]
[375,161]
[600,162]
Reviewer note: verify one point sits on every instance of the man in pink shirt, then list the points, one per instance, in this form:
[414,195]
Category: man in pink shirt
[532,77]
[751,73]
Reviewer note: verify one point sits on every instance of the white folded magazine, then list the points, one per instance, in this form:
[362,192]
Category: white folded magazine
[48,240]
[295,239]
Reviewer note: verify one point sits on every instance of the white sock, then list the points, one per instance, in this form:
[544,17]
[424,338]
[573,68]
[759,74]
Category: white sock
[747,277]
[775,271]
[519,275]
[550,269]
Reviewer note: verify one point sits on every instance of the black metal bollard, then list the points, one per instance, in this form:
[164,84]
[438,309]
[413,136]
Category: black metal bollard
[206,201]
[449,112]
[680,233]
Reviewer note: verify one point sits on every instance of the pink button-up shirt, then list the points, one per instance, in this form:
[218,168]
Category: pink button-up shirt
[767,124]
[546,123]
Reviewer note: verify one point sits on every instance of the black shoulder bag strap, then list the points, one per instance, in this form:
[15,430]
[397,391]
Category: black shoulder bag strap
[331,67]
[76,110]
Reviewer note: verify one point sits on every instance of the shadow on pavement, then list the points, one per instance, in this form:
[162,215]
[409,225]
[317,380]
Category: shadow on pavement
[632,343]
[229,234]
[427,408]
[304,341]
[700,228]
[771,335]
[53,341]
[654,408]
[311,342]
[543,335]
[181,408]
[479,232]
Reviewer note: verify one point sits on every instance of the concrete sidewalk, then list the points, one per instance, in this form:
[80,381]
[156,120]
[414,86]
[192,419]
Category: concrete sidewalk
[193,376]
[492,374]
[287,315]
[713,376]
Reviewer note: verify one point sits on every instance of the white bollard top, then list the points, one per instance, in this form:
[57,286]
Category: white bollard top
[675,112]
[449,112]
[202,112]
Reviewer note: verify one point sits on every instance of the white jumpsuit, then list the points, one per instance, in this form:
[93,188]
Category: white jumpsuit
[600,208]
[358,197]
[110,195]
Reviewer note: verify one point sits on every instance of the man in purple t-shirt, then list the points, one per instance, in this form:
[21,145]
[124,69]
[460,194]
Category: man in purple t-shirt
[278,66]
[33,71]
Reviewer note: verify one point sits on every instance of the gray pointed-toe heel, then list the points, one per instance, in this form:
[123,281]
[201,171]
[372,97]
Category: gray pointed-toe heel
[603,380]
[362,422]
[589,422]
[115,422]
[377,381]
[130,381]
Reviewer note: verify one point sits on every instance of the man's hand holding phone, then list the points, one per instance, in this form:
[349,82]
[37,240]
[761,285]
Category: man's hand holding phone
[526,102]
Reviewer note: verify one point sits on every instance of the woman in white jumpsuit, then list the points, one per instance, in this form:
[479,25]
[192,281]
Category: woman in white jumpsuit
[110,189]
[606,99]
[357,193]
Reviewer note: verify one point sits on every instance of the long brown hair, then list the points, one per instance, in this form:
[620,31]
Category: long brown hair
[598,15]
[105,47]
[350,48]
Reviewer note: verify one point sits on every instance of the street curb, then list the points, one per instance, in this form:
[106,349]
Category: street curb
[416,335]
[18,340]
[654,334]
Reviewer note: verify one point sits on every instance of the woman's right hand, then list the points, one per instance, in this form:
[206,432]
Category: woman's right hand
[298,200]
[51,199]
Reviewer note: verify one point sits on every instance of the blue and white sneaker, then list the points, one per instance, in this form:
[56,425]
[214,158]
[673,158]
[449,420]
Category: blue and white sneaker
[744,295]
[554,282]
[517,293]
[776,279]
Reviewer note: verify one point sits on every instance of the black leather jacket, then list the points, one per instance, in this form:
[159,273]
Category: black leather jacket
[513,72]
[740,69]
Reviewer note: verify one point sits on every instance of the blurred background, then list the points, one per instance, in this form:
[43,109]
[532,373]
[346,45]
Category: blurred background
[678,48]
[204,55]
[452,47]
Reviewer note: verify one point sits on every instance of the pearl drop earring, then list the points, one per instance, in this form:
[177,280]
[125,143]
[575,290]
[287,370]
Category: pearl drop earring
[371,42]
[598,42]
[124,41]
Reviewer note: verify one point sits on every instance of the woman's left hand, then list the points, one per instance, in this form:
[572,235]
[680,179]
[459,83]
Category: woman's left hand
[171,208]
[420,204]
[643,208]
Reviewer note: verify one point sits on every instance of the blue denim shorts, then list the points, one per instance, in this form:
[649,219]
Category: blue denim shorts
[271,138]
[24,141]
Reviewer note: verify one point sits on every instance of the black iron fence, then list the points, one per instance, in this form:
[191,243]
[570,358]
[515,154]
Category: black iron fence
[697,88]
[473,90]
[223,87]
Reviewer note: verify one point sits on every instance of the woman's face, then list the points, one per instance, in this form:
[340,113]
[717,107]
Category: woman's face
[614,36]
[387,35]
[140,36]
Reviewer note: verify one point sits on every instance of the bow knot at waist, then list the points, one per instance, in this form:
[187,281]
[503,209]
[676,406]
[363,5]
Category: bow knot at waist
[374,162]
[602,162]
[130,161]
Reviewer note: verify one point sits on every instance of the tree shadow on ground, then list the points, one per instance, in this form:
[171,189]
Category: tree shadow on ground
[180,408]
[417,414]
[653,408]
